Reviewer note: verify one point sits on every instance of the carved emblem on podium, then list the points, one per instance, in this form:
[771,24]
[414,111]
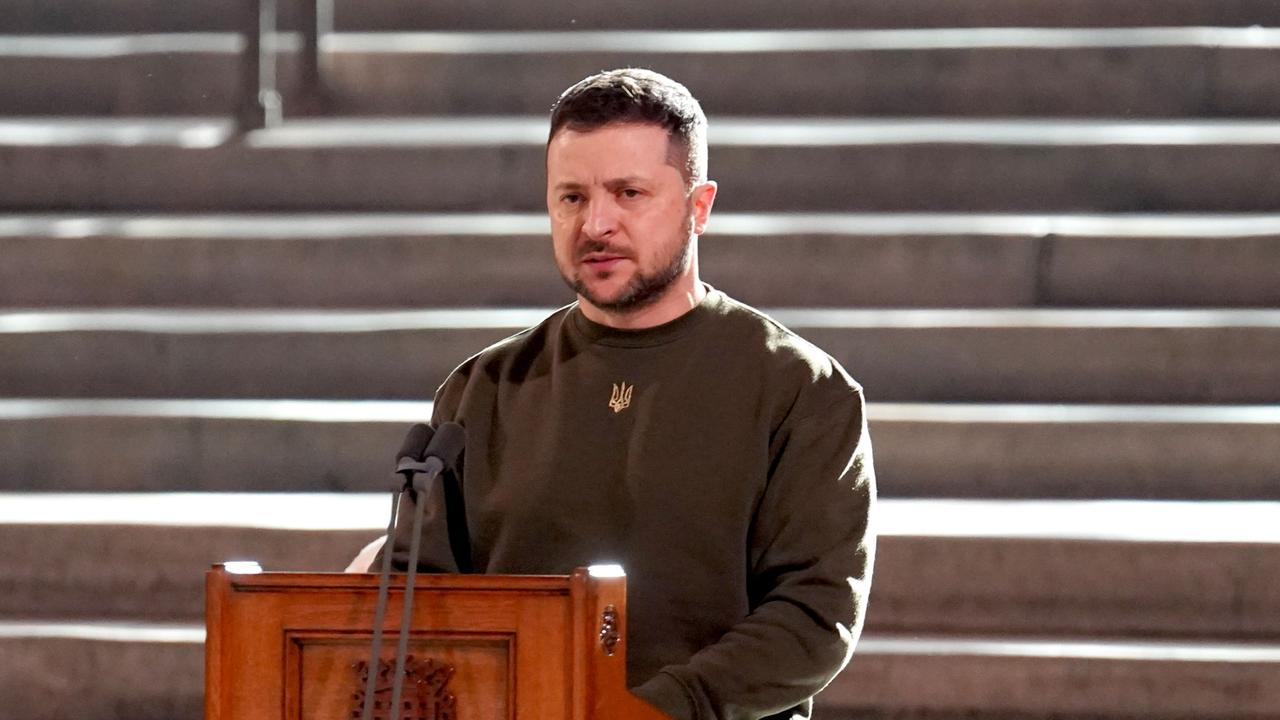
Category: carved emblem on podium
[425,695]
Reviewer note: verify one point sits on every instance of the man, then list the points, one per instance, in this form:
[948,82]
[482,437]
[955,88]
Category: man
[657,423]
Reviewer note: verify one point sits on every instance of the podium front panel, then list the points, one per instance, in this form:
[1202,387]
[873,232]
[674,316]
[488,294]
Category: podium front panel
[296,647]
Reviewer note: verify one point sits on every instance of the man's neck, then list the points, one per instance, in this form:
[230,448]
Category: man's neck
[674,303]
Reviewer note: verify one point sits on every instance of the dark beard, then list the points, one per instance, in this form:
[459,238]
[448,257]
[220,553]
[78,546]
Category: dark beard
[642,290]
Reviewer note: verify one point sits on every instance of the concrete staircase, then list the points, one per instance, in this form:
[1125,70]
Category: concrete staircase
[1044,235]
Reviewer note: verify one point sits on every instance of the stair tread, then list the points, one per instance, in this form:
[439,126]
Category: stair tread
[415,410]
[1103,520]
[319,226]
[458,131]
[871,643]
[220,321]
[686,41]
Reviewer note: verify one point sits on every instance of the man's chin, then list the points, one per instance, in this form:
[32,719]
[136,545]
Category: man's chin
[614,301]
[611,297]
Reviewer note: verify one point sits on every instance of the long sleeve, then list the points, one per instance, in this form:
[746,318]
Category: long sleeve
[812,552]
[435,554]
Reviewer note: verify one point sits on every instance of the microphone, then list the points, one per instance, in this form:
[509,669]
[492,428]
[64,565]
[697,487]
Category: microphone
[442,453]
[414,447]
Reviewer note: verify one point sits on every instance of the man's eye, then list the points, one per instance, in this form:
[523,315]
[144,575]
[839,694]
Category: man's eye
[571,198]
[631,193]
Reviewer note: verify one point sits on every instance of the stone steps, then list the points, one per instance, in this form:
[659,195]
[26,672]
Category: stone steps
[1034,72]
[102,671]
[99,16]
[1190,452]
[994,679]
[922,451]
[129,570]
[1031,608]
[1075,356]
[109,672]
[1049,568]
[428,164]
[868,260]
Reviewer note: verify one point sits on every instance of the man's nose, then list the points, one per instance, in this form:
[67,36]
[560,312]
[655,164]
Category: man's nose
[602,218]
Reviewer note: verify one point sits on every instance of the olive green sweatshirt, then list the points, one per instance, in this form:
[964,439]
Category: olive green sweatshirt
[722,460]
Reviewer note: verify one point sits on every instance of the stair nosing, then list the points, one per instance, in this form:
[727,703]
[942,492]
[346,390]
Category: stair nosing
[723,226]
[306,410]
[687,41]
[1114,521]
[423,132]
[871,643]
[204,321]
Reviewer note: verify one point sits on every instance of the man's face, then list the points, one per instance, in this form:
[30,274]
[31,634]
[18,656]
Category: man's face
[622,219]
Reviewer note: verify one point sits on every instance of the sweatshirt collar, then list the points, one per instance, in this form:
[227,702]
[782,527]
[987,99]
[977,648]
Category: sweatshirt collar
[599,334]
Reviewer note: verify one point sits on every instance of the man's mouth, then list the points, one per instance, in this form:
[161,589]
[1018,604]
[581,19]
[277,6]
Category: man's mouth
[602,262]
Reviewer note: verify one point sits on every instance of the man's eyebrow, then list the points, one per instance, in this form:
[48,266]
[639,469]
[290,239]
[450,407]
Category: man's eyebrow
[613,185]
[619,183]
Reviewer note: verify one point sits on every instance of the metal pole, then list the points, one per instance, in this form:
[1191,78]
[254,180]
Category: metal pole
[259,99]
[250,114]
[317,21]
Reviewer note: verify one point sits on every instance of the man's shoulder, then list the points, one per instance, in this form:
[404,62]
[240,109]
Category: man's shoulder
[514,349]
[766,340]
[480,375]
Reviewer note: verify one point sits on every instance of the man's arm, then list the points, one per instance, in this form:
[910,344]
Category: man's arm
[812,553]
[435,553]
[364,559]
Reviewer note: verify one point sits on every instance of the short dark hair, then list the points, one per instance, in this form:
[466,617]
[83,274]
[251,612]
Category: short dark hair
[635,95]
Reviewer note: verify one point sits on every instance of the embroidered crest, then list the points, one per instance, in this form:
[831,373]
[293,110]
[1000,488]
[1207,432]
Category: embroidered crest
[620,399]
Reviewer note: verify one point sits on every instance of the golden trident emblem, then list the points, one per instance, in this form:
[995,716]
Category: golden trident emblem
[620,399]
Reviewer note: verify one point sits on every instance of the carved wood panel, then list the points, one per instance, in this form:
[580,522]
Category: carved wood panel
[425,694]
[450,677]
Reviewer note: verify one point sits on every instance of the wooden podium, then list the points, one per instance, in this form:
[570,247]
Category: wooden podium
[295,646]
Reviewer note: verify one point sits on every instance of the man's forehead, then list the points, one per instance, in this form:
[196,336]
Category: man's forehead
[618,150]
[634,138]
[628,127]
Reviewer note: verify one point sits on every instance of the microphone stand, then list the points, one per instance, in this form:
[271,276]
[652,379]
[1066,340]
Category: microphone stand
[402,648]
[409,464]
[380,612]
[441,452]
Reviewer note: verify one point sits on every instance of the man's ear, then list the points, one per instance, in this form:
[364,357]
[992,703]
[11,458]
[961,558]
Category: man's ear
[703,196]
